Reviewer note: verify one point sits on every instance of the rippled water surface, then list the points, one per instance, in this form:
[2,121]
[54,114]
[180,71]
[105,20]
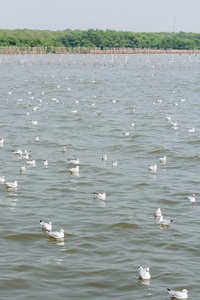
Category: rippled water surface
[105,241]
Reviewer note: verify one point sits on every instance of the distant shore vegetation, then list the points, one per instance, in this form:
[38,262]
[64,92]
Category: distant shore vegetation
[101,39]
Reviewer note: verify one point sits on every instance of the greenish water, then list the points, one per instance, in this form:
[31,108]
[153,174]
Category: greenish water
[105,241]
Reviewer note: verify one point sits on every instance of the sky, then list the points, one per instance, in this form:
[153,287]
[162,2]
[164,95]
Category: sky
[120,15]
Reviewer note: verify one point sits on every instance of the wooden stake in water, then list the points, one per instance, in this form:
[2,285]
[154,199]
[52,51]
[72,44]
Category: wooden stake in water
[154,70]
[189,60]
[69,60]
[33,59]
[146,61]
[125,61]
[83,60]
[104,61]
[25,59]
[60,60]
[19,58]
[41,58]
[197,61]
[112,60]
[49,59]
[179,60]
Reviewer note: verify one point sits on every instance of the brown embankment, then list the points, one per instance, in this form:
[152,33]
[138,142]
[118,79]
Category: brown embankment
[78,50]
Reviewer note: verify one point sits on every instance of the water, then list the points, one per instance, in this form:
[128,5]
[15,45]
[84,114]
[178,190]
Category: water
[105,241]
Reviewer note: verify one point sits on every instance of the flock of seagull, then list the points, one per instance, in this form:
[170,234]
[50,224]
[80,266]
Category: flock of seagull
[74,168]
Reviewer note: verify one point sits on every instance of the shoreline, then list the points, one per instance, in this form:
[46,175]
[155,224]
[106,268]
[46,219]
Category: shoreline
[79,50]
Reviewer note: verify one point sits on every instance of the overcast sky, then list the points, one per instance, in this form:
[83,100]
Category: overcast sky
[125,15]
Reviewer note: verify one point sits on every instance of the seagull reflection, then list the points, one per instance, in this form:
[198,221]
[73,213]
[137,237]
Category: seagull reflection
[144,282]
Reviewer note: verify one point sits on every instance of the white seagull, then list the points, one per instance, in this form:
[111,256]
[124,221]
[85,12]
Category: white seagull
[1,142]
[37,139]
[34,122]
[74,161]
[153,167]
[158,213]
[74,170]
[30,162]
[104,157]
[22,168]
[192,198]
[57,234]
[2,179]
[17,152]
[191,130]
[179,295]
[164,222]
[46,226]
[163,159]
[126,133]
[12,185]
[144,273]
[64,149]
[114,163]
[168,118]
[45,162]
[100,196]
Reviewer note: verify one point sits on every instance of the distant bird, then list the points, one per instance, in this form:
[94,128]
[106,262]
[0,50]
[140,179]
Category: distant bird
[45,162]
[144,273]
[2,179]
[46,226]
[99,112]
[175,127]
[27,153]
[100,196]
[192,199]
[17,152]
[191,130]
[183,100]
[168,118]
[153,167]
[12,185]
[174,123]
[74,161]
[126,133]
[34,122]
[163,159]
[164,222]
[159,101]
[64,149]
[104,157]
[74,111]
[158,213]
[113,101]
[1,142]
[74,170]
[57,234]
[178,295]
[22,168]
[30,162]
[114,163]
[176,104]
[37,139]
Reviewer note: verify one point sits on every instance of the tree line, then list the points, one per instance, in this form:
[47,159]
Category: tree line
[99,38]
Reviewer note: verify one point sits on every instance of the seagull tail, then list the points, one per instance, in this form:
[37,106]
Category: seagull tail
[172,220]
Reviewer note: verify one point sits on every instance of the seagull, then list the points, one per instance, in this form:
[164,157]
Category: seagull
[37,139]
[183,100]
[114,163]
[12,185]
[174,123]
[159,101]
[46,226]
[99,112]
[30,162]
[113,101]
[153,167]
[176,104]
[22,168]
[64,149]
[158,213]
[74,161]
[2,179]
[191,130]
[27,153]
[144,272]
[163,159]
[74,170]
[174,127]
[104,157]
[34,122]
[17,152]
[179,295]
[192,199]
[74,111]
[100,196]
[126,133]
[1,141]
[56,234]
[164,222]
[168,118]
[45,163]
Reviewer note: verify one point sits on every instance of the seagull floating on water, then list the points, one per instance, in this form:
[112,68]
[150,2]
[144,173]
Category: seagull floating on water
[56,234]
[2,179]
[153,167]
[158,213]
[191,130]
[37,139]
[74,170]
[1,141]
[22,168]
[168,118]
[46,226]
[163,159]
[30,162]
[12,185]
[74,161]
[34,122]
[126,133]
[192,198]
[104,157]
[100,196]
[45,162]
[144,273]
[179,295]
[17,152]
[164,222]
[114,163]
